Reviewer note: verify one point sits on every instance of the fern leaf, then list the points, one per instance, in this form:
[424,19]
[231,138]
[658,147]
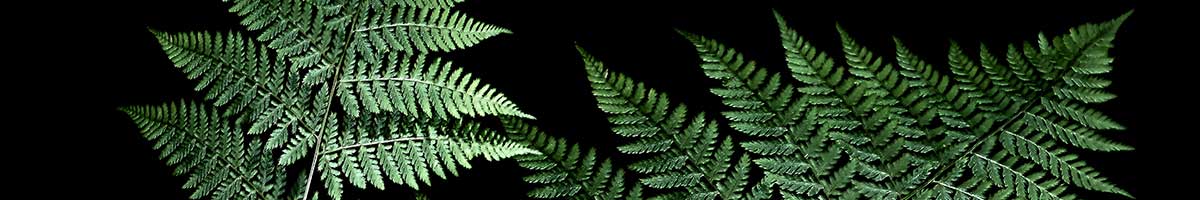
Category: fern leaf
[416,86]
[743,84]
[1027,186]
[1084,116]
[291,27]
[372,147]
[685,152]
[924,96]
[573,173]
[672,180]
[212,152]
[237,73]
[1061,80]
[747,87]
[409,29]
[1080,137]
[897,125]
[313,51]
[1053,160]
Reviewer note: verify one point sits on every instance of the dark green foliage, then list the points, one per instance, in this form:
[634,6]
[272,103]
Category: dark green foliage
[423,87]
[408,151]
[565,170]
[213,153]
[350,88]
[684,151]
[863,126]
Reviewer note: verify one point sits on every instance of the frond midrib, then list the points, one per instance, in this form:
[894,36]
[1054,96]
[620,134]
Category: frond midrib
[411,24]
[405,139]
[337,67]
[443,86]
[959,190]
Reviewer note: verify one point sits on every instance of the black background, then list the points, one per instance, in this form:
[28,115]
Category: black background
[538,69]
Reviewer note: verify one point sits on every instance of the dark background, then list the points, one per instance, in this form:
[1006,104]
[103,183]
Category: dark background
[538,69]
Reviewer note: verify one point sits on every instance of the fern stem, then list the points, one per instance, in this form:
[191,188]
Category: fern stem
[418,25]
[312,166]
[406,80]
[377,143]
[960,190]
[337,72]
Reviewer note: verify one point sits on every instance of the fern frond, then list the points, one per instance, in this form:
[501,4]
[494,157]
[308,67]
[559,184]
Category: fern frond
[409,29]
[687,153]
[219,163]
[360,52]
[294,29]
[1082,115]
[928,94]
[763,101]
[1079,137]
[988,100]
[238,74]
[769,110]
[299,145]
[564,170]
[1064,76]
[1024,185]
[883,131]
[406,151]
[1057,162]
[420,87]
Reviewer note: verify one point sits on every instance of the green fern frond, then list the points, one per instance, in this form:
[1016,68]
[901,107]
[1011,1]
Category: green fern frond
[243,76]
[976,85]
[306,140]
[564,170]
[886,131]
[238,74]
[406,151]
[349,85]
[409,29]
[1082,115]
[420,87]
[1057,161]
[294,29]
[1080,137]
[1016,178]
[198,142]
[1065,73]
[371,56]
[686,153]
[798,119]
